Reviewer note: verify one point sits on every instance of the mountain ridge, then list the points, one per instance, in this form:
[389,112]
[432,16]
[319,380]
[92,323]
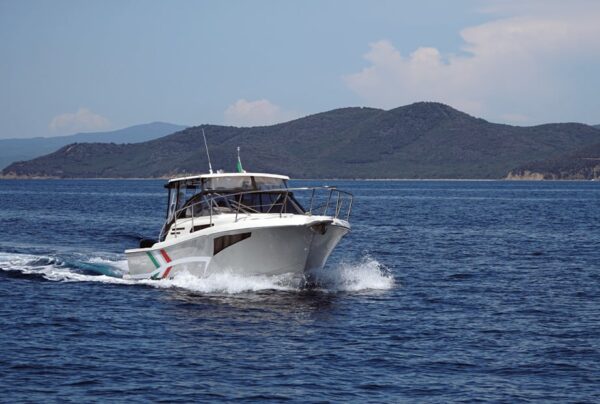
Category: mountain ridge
[420,140]
[19,149]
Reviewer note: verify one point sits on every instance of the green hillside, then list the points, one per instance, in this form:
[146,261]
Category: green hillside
[584,164]
[421,140]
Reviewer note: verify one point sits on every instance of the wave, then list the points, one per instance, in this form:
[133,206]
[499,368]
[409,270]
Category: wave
[66,269]
[367,274]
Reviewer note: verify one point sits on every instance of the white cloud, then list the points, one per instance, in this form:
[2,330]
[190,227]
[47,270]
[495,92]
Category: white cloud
[256,113]
[83,120]
[507,65]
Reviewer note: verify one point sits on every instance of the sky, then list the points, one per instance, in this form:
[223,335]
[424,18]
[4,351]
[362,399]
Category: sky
[81,66]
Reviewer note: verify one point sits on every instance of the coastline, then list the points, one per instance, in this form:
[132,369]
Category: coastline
[512,179]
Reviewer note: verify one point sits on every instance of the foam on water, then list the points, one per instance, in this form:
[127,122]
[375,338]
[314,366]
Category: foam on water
[93,269]
[227,283]
[365,275]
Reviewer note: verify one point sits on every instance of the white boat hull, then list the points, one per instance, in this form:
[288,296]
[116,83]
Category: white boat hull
[293,245]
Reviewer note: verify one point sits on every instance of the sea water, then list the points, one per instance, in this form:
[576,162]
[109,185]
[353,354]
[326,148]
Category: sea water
[443,291]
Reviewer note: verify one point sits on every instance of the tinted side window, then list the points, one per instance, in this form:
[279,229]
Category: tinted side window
[221,243]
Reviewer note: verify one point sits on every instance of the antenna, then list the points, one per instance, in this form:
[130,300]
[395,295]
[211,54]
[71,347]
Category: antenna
[207,155]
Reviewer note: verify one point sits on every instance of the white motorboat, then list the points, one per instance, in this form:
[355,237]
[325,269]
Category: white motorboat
[243,223]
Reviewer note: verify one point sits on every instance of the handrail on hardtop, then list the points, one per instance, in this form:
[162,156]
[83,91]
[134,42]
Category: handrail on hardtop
[210,197]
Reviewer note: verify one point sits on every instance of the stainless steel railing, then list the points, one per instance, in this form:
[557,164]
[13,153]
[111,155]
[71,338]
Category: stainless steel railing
[321,201]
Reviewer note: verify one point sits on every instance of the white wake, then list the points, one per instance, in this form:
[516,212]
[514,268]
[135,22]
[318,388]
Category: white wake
[367,274]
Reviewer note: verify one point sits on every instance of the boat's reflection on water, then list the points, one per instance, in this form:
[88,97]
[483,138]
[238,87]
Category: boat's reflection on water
[297,306]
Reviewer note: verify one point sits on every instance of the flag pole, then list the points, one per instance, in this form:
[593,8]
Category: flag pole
[207,155]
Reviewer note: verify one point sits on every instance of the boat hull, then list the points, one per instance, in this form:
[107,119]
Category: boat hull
[283,249]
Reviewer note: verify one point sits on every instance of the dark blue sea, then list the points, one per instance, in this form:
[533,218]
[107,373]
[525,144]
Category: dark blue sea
[444,291]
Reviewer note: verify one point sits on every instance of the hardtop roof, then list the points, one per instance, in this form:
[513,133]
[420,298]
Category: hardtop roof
[217,175]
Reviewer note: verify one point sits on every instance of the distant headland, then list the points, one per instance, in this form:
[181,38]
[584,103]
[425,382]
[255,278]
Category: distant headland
[424,140]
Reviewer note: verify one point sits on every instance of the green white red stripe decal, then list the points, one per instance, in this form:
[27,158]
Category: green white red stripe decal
[154,261]
[163,264]
[167,259]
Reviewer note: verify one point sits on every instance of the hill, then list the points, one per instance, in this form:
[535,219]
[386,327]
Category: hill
[421,140]
[584,164]
[24,149]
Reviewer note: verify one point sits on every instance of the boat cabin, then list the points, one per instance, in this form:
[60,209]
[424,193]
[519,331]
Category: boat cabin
[208,195]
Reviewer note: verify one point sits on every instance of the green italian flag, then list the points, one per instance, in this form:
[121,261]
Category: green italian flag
[238,166]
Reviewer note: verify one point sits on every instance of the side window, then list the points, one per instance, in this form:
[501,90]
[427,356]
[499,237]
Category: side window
[221,243]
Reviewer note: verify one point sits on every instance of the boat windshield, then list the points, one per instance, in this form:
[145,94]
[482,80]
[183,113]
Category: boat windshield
[259,194]
[228,183]
[249,183]
[269,201]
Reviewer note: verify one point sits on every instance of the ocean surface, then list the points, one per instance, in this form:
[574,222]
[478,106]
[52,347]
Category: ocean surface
[444,291]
